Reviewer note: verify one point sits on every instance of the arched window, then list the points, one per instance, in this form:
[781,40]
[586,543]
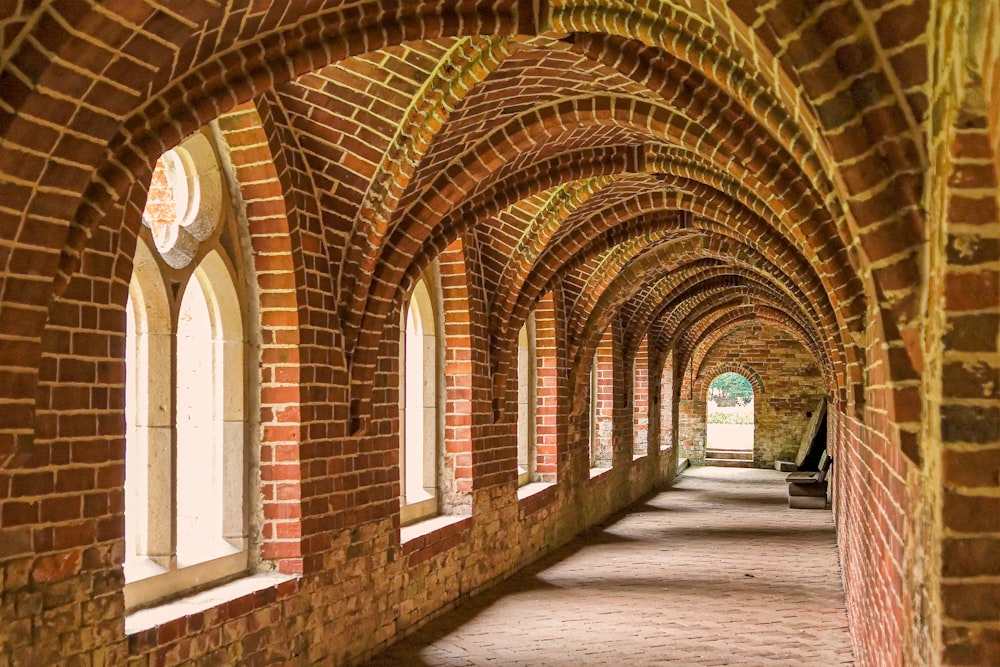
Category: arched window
[148,422]
[730,417]
[419,434]
[667,403]
[547,377]
[602,404]
[527,393]
[592,421]
[185,392]
[210,424]
[640,401]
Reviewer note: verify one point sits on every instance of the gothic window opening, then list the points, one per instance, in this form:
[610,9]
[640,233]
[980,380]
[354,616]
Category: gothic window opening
[602,397]
[527,398]
[640,401]
[186,496]
[419,406]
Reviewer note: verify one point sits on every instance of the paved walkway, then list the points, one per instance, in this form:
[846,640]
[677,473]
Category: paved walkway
[715,571]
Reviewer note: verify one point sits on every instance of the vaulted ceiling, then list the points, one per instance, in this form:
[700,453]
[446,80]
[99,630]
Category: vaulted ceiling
[677,167]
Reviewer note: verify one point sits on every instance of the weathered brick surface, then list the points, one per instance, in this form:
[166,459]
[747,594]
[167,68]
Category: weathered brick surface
[659,177]
[580,606]
[787,386]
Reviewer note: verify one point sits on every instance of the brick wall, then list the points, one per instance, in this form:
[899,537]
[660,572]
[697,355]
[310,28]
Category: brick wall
[960,433]
[874,493]
[62,574]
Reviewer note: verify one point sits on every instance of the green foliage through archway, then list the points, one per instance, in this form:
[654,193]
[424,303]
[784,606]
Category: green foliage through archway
[731,387]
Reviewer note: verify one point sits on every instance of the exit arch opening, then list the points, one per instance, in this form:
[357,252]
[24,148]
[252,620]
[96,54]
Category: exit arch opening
[730,418]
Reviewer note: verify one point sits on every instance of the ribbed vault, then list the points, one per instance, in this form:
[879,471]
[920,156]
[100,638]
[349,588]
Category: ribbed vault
[667,171]
[577,145]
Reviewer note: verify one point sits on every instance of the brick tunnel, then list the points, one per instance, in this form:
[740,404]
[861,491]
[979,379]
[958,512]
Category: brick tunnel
[318,318]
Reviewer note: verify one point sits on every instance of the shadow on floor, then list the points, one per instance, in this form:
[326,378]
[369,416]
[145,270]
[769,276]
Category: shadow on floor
[524,581]
[747,532]
[744,499]
[558,586]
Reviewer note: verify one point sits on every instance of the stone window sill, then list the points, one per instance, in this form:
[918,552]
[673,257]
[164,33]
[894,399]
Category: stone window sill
[148,582]
[418,512]
[534,496]
[153,617]
[533,489]
[596,473]
[428,538]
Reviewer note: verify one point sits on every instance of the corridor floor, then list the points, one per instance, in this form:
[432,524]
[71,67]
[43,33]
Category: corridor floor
[715,571]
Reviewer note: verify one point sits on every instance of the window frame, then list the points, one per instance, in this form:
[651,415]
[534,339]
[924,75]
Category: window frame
[640,395]
[154,574]
[527,402]
[157,574]
[428,307]
[593,412]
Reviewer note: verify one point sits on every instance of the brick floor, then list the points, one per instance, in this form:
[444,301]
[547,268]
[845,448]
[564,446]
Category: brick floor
[715,571]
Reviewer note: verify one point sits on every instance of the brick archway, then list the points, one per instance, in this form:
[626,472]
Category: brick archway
[665,174]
